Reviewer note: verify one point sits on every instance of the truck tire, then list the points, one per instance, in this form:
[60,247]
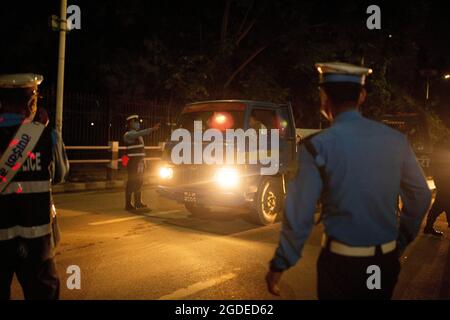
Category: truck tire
[196,210]
[268,202]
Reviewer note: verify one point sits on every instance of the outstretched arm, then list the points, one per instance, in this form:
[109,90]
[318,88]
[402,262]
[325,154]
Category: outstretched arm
[131,136]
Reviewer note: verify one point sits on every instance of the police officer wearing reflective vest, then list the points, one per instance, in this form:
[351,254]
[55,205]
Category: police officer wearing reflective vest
[358,168]
[135,152]
[32,157]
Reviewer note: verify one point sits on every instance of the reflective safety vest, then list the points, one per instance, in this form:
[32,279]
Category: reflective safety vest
[25,204]
[136,148]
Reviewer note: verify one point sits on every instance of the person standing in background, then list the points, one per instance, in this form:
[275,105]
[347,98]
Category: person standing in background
[440,167]
[134,142]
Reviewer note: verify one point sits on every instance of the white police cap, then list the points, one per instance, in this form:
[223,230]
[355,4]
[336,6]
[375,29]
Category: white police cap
[134,116]
[20,80]
[342,72]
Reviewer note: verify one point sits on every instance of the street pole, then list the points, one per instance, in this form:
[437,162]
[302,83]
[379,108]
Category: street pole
[61,58]
[428,74]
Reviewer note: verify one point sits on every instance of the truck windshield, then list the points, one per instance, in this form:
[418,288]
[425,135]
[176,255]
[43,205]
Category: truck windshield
[213,116]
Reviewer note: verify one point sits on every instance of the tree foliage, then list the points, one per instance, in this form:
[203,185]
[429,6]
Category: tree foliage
[254,49]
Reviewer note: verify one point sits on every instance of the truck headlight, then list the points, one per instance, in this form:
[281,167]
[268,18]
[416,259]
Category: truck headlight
[227,177]
[166,173]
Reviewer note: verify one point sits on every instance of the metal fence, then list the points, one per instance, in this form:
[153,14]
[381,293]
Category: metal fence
[93,120]
[93,129]
[109,165]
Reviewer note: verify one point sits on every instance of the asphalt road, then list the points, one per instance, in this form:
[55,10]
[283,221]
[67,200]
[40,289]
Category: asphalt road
[167,254]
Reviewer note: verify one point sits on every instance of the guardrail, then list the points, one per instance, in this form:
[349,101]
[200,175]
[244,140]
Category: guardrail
[112,163]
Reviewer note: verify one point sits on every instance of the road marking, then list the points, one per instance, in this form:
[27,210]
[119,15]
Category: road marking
[114,220]
[162,213]
[132,218]
[196,287]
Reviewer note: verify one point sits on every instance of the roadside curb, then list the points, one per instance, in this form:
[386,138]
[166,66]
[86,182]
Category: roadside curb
[93,186]
[87,186]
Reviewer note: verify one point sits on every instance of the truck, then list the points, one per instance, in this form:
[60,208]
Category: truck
[202,186]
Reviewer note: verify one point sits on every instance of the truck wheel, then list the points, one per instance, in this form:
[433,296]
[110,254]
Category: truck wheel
[196,210]
[268,202]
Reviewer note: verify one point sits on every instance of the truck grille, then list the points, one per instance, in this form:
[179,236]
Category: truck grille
[193,174]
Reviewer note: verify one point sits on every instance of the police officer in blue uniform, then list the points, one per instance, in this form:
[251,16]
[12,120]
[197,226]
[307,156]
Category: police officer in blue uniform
[134,142]
[440,167]
[26,220]
[358,168]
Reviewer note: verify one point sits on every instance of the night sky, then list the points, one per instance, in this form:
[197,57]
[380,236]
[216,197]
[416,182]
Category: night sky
[177,49]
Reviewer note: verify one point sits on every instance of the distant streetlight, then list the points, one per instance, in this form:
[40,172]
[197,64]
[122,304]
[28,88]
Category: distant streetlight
[428,73]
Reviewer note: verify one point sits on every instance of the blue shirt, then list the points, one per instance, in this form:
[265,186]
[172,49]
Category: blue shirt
[368,166]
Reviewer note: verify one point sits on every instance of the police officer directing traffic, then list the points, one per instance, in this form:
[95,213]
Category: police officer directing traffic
[135,152]
[26,172]
[358,168]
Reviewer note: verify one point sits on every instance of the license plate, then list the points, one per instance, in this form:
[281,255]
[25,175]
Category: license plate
[424,162]
[190,197]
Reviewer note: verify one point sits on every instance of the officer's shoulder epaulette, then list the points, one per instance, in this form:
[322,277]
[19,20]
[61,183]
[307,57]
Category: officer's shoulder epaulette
[308,144]
[308,139]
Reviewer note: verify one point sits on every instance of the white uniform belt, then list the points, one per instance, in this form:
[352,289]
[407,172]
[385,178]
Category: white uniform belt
[25,232]
[135,146]
[21,187]
[350,251]
[136,154]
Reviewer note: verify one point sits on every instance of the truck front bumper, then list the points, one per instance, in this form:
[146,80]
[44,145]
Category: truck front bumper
[206,197]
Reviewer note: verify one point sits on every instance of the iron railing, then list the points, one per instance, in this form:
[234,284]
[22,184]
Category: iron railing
[114,149]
